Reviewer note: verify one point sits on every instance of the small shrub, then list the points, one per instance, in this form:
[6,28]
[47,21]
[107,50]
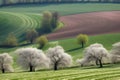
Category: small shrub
[54,20]
[46,22]
[11,40]
[31,35]
[82,39]
[42,41]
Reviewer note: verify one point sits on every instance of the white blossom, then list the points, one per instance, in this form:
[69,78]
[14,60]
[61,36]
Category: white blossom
[95,52]
[31,57]
[58,58]
[6,62]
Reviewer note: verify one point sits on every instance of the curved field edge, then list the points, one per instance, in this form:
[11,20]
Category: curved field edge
[88,23]
[64,9]
[17,23]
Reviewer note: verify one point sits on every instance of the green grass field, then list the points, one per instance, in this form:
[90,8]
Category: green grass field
[109,72]
[70,45]
[21,18]
[63,9]
[18,19]
[17,23]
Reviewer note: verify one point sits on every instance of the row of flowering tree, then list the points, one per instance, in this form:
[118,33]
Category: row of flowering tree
[33,58]
[54,58]
[98,54]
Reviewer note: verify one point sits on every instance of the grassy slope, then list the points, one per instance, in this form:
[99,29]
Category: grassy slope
[17,23]
[110,72]
[70,45]
[63,9]
[25,17]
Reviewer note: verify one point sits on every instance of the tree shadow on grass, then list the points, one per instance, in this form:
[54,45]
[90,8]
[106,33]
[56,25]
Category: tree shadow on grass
[74,49]
[8,46]
[26,44]
[108,65]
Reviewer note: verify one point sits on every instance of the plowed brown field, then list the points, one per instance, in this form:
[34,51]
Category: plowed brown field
[88,23]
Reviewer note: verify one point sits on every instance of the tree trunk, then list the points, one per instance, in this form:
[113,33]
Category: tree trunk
[100,62]
[81,65]
[3,70]
[55,66]
[31,41]
[82,44]
[32,69]
[41,46]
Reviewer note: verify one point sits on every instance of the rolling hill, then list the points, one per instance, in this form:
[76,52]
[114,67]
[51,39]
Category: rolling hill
[63,9]
[108,72]
[70,44]
[19,19]
[88,23]
[17,23]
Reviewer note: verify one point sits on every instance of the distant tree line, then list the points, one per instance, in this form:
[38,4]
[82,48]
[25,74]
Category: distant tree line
[10,2]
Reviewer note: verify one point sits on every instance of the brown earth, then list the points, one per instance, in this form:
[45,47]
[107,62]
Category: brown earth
[88,23]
